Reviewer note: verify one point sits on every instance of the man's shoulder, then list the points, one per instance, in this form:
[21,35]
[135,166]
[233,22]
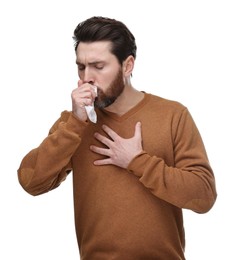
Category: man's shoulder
[165,103]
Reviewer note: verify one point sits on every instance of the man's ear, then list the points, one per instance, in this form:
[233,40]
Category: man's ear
[128,66]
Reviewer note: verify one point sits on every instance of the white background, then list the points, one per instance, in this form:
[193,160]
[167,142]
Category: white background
[186,52]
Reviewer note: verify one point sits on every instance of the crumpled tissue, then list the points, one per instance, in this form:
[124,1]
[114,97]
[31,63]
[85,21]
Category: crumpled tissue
[91,111]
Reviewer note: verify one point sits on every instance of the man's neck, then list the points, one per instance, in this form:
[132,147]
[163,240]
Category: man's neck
[128,99]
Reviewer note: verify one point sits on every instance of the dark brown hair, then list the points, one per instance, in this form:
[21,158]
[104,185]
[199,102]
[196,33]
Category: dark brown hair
[99,28]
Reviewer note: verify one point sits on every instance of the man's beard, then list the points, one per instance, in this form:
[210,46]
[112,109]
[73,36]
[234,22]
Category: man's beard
[105,99]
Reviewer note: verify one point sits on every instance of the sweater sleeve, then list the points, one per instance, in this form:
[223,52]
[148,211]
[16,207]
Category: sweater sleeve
[45,167]
[190,182]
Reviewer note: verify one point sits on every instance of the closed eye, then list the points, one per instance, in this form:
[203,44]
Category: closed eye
[99,67]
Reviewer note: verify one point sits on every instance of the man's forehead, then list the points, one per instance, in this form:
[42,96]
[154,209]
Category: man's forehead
[93,51]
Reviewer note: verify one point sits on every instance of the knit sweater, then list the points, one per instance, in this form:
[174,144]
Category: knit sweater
[133,213]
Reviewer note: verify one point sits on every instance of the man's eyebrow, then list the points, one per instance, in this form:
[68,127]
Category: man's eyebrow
[91,63]
[78,63]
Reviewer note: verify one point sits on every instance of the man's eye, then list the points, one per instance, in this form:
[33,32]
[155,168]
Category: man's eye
[99,67]
[80,68]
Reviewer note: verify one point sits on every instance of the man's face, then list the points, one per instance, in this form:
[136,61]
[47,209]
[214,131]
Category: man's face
[99,67]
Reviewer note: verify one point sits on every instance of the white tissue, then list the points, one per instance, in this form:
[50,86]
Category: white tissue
[90,110]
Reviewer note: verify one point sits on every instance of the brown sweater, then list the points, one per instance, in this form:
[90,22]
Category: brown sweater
[134,213]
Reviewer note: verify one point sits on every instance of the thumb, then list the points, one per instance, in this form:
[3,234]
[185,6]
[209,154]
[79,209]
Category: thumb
[80,82]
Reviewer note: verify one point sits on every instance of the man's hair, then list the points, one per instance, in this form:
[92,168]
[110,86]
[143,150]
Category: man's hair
[99,28]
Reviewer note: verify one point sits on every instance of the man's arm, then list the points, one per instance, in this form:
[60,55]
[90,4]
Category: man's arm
[45,167]
[188,184]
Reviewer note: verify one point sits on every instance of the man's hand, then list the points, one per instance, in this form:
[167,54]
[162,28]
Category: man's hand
[119,151]
[82,96]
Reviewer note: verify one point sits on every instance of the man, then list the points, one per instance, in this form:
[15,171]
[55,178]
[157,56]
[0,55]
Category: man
[135,169]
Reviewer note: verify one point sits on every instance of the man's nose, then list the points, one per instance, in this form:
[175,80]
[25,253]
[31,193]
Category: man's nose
[88,76]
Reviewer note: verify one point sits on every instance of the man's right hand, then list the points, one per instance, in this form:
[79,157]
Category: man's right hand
[82,96]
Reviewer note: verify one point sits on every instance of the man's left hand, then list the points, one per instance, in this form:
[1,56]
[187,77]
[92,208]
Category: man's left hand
[119,151]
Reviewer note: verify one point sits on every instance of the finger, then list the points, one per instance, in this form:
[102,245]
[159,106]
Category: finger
[82,93]
[86,102]
[82,99]
[103,139]
[99,150]
[103,162]
[110,132]
[87,88]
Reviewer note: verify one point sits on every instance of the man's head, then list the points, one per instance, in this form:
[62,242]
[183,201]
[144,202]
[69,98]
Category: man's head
[105,54]
[106,29]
